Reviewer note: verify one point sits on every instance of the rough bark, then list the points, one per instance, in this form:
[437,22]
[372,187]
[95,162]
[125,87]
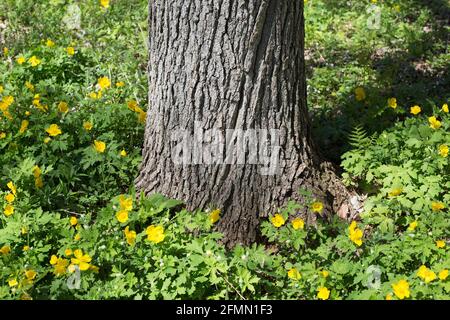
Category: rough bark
[232,64]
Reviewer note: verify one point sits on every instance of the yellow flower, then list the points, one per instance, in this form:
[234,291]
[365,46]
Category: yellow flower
[99,146]
[214,216]
[12,187]
[389,296]
[94,268]
[68,252]
[132,105]
[120,84]
[47,140]
[445,108]
[23,126]
[2,135]
[34,61]
[443,150]
[9,210]
[395,192]
[355,234]
[104,83]
[443,274]
[392,102]
[82,260]
[38,183]
[20,60]
[278,220]
[122,216]
[401,289]
[412,226]
[323,293]
[294,274]
[317,207]
[49,43]
[63,107]
[26,248]
[434,123]
[104,3]
[155,234]
[73,221]
[437,206]
[415,110]
[360,94]
[23,230]
[130,236]
[53,130]
[77,237]
[126,203]
[123,153]
[12,282]
[5,250]
[53,260]
[440,244]
[5,51]
[10,198]
[426,274]
[70,51]
[61,266]
[29,85]
[37,172]
[87,126]
[325,273]
[298,223]
[30,274]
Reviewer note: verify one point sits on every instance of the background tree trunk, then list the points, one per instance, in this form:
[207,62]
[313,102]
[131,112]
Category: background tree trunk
[232,64]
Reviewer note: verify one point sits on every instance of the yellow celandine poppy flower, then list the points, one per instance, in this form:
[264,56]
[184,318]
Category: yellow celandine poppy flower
[63,107]
[323,293]
[412,226]
[294,274]
[20,60]
[104,3]
[437,206]
[24,126]
[34,61]
[60,266]
[132,105]
[53,130]
[214,216]
[443,274]
[68,252]
[5,250]
[392,102]
[317,207]
[360,94]
[73,221]
[445,108]
[123,153]
[53,259]
[120,84]
[5,51]
[30,274]
[12,187]
[82,260]
[26,248]
[155,234]
[29,85]
[87,126]
[401,289]
[415,110]
[23,231]
[70,51]
[298,223]
[434,123]
[440,244]
[77,237]
[443,150]
[130,236]
[126,203]
[2,135]
[395,192]
[355,234]
[426,274]
[99,146]
[12,282]
[10,198]
[49,43]
[278,220]
[122,216]
[104,83]
[8,210]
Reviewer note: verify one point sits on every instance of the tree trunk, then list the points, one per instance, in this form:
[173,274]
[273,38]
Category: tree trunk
[232,64]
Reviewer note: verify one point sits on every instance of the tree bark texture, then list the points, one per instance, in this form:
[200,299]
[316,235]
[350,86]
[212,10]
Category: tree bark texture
[232,64]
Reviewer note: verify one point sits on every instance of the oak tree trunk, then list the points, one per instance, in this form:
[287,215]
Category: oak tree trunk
[232,64]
